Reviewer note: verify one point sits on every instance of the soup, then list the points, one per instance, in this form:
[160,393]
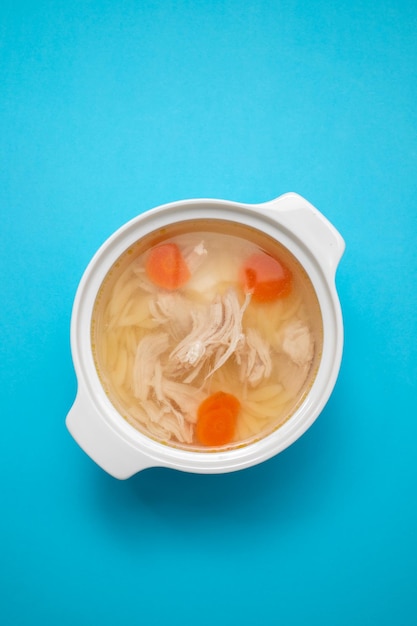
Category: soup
[206,335]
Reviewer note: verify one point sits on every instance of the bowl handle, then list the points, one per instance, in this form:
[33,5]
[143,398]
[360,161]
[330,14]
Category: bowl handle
[101,442]
[304,220]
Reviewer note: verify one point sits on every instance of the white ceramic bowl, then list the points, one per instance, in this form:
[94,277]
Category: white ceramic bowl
[94,422]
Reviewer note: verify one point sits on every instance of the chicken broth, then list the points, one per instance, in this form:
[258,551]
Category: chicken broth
[206,334]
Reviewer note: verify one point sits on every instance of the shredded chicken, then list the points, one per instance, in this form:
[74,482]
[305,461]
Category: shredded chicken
[216,332]
[185,397]
[170,404]
[254,358]
[173,310]
[205,337]
[147,355]
[210,336]
[162,422]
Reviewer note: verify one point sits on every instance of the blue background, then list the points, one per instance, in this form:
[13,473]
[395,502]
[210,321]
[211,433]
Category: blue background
[109,108]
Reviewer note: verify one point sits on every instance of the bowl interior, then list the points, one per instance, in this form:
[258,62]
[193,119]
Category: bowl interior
[207,310]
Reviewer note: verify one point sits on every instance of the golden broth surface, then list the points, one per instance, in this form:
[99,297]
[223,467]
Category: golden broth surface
[161,351]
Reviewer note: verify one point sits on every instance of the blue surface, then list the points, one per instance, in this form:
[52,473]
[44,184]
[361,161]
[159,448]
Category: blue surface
[110,108]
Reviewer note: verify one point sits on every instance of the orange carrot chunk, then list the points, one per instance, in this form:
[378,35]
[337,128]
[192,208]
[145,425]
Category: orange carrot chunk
[166,267]
[266,278]
[216,419]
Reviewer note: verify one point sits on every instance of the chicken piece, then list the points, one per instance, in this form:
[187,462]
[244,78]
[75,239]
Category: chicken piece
[162,422]
[147,356]
[254,357]
[178,427]
[216,332]
[167,407]
[205,323]
[186,397]
[297,342]
[232,327]
[172,311]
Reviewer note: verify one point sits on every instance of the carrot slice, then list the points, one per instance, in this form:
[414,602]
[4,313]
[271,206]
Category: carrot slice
[216,419]
[166,267]
[266,278]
